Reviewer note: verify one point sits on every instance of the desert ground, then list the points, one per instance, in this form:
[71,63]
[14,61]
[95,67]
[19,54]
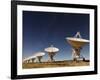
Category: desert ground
[66,63]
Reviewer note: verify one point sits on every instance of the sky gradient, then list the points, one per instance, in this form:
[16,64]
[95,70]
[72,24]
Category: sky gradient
[42,29]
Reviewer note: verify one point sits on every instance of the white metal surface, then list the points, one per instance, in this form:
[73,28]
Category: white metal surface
[51,49]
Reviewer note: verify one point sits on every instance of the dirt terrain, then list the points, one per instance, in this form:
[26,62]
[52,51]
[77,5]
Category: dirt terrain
[67,63]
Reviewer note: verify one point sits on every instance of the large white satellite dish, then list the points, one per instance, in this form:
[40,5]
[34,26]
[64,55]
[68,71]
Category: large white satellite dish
[77,43]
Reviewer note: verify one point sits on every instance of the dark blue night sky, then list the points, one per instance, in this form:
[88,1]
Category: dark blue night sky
[42,29]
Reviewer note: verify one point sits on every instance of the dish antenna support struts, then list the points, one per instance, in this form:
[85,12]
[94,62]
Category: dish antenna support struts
[39,56]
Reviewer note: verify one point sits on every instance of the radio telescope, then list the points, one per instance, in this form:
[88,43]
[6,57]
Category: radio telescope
[29,59]
[39,55]
[77,42]
[51,52]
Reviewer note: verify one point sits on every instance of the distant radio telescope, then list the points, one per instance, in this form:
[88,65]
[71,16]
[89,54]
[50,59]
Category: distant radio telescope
[51,52]
[77,43]
[31,59]
[39,55]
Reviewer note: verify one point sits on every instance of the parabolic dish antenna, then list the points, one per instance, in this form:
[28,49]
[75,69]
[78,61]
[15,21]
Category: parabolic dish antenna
[39,55]
[51,52]
[29,59]
[51,49]
[77,42]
